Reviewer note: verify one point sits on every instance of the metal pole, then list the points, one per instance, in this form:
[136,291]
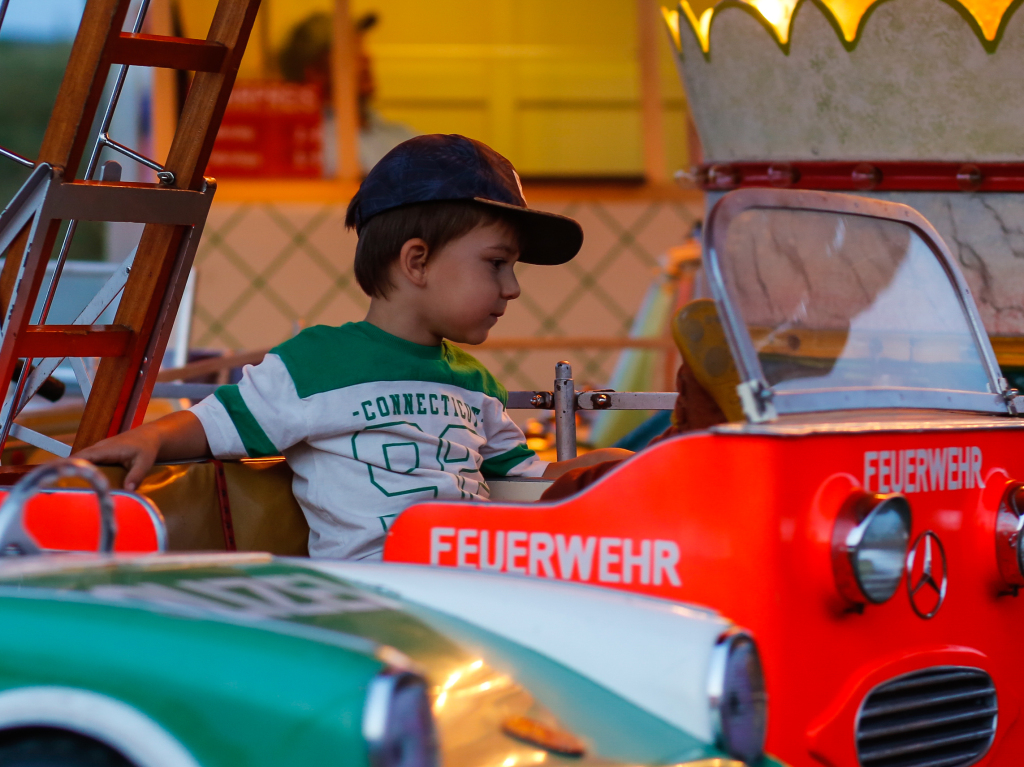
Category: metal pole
[565,411]
[19,389]
[24,161]
[102,140]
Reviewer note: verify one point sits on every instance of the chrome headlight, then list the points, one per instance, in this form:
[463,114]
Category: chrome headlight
[1009,529]
[739,703]
[397,722]
[869,547]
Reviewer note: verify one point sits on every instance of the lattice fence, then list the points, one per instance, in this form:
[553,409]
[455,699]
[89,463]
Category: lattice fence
[265,271]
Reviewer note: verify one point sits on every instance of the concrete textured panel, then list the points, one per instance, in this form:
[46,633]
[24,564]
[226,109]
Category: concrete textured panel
[918,85]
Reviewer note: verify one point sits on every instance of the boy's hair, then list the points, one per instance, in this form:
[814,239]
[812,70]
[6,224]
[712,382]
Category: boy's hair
[437,223]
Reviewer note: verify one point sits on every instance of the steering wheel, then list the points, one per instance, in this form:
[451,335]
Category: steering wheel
[15,540]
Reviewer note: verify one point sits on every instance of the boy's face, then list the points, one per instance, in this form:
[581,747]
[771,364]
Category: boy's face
[469,282]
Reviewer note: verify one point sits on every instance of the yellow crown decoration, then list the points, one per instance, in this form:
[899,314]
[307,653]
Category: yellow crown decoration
[854,80]
[988,18]
[916,101]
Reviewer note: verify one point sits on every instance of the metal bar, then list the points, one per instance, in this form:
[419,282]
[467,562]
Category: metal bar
[626,400]
[183,390]
[166,177]
[41,341]
[3,10]
[81,375]
[104,298]
[13,224]
[24,205]
[137,203]
[37,243]
[34,438]
[10,408]
[529,400]
[18,313]
[565,412]
[517,400]
[106,295]
[181,331]
[206,367]
[10,155]
[108,116]
[595,400]
[825,400]
[168,52]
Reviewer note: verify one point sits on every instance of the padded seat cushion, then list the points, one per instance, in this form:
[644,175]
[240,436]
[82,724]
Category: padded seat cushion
[264,514]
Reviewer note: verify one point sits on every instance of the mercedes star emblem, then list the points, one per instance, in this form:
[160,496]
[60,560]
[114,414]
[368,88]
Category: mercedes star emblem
[926,575]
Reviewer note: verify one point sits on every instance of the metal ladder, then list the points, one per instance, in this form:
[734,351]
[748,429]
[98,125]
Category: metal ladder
[174,211]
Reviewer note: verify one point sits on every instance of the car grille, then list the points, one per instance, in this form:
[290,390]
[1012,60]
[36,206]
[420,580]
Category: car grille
[942,717]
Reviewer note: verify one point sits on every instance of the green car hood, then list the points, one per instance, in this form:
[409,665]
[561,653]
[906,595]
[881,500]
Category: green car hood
[241,632]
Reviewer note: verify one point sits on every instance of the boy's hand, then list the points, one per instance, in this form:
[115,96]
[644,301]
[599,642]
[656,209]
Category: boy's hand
[177,436]
[136,450]
[555,470]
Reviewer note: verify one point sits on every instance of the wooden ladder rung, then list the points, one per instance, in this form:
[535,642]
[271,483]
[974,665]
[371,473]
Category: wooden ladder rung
[41,341]
[168,52]
[130,201]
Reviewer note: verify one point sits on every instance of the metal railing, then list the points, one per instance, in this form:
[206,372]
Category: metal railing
[563,399]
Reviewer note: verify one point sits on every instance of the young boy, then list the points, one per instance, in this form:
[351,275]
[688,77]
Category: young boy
[374,416]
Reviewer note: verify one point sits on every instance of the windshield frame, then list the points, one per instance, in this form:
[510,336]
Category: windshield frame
[760,401]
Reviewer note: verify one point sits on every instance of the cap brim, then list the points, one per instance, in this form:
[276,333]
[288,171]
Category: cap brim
[548,238]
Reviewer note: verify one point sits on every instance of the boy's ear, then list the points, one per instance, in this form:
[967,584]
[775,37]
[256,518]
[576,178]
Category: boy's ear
[412,261]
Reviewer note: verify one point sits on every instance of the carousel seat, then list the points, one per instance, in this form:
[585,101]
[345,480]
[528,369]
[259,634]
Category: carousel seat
[242,505]
[67,519]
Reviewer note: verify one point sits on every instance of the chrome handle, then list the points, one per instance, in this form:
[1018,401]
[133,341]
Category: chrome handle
[15,540]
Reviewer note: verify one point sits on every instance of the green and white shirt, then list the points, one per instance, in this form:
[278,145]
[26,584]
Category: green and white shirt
[370,424]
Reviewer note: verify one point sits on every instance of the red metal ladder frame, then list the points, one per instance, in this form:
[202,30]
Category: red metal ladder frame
[173,212]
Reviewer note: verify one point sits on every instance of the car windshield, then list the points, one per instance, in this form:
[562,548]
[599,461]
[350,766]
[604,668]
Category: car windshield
[839,301]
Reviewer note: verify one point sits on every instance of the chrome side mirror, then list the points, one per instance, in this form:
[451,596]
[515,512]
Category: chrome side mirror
[15,540]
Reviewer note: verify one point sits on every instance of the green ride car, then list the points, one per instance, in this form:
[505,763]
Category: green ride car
[231,660]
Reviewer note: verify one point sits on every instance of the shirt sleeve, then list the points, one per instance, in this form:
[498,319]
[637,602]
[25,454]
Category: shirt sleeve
[505,454]
[261,415]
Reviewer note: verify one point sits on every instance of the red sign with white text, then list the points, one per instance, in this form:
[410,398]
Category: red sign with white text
[270,130]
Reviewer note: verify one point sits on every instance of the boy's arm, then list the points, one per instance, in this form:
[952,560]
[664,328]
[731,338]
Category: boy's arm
[277,423]
[555,470]
[174,437]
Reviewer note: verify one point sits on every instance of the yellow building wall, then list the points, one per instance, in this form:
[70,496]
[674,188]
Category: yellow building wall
[551,84]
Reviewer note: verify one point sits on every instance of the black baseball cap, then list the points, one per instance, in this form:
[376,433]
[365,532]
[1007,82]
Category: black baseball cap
[452,167]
